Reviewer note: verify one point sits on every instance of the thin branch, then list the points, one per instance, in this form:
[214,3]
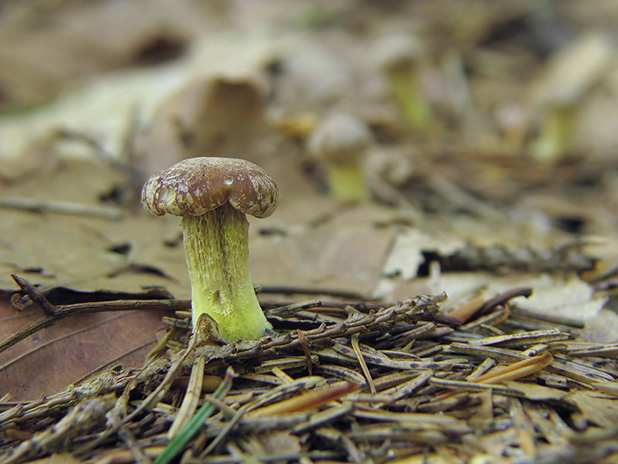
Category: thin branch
[55,313]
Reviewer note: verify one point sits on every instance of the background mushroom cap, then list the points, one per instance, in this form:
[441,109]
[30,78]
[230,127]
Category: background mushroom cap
[398,50]
[339,137]
[196,186]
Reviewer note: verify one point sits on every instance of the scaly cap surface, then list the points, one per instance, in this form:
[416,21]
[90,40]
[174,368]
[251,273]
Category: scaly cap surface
[196,186]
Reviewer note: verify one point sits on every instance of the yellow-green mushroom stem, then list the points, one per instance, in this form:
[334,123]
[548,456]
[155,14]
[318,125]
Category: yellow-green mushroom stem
[407,89]
[347,181]
[402,58]
[217,254]
[555,134]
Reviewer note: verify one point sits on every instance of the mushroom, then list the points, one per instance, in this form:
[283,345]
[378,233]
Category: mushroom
[402,58]
[570,75]
[340,141]
[213,195]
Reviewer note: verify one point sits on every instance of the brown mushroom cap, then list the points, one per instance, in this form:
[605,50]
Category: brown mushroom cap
[196,186]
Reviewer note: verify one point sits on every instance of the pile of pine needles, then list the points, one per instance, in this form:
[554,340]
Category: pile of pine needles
[339,381]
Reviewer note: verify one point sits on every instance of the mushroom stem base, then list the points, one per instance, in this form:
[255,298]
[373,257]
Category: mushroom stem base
[217,253]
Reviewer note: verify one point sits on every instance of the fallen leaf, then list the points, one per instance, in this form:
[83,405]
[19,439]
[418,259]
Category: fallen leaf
[601,328]
[71,349]
[596,408]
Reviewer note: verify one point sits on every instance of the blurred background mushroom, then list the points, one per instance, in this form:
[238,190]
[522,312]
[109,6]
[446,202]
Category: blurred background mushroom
[568,78]
[340,142]
[403,59]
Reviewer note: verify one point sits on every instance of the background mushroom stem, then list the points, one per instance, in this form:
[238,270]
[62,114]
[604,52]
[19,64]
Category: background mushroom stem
[217,253]
[406,86]
[347,181]
[555,134]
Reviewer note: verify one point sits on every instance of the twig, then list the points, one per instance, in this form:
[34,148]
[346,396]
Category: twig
[36,296]
[226,430]
[502,298]
[437,381]
[138,453]
[312,291]
[56,313]
[62,207]
[460,197]
[89,308]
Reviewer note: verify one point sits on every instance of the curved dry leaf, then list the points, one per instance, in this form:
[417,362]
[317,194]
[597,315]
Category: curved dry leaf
[307,401]
[595,407]
[71,349]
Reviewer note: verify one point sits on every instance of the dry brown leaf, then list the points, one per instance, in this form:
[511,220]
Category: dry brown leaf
[215,115]
[71,349]
[325,257]
[602,328]
[45,60]
[595,407]
[535,392]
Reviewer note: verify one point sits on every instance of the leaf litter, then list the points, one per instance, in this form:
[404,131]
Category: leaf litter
[381,388]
